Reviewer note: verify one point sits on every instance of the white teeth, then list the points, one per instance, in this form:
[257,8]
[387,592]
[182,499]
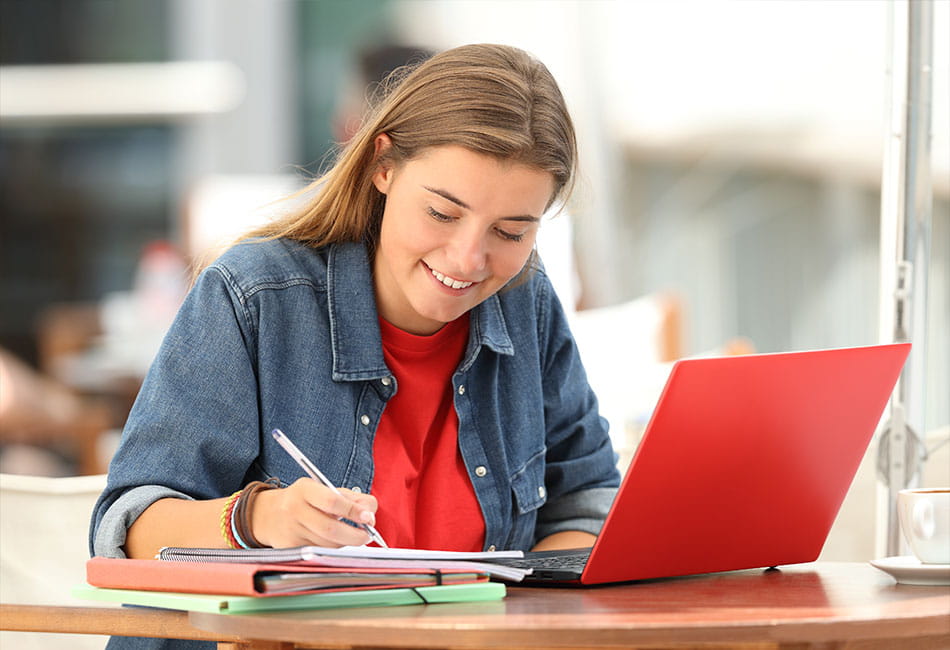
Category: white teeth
[449,282]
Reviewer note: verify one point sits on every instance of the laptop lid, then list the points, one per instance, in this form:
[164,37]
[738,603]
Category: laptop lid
[745,462]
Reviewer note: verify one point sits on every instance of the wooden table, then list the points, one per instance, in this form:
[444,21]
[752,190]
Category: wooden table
[840,605]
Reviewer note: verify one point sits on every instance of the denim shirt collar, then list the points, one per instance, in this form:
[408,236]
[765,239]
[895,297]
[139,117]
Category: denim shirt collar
[354,326]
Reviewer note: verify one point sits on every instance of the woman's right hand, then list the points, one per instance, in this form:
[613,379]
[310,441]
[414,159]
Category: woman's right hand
[309,513]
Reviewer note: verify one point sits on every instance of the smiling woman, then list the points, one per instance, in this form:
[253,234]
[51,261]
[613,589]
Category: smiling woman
[398,329]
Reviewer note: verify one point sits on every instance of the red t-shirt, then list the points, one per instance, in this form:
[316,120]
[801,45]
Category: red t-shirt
[426,499]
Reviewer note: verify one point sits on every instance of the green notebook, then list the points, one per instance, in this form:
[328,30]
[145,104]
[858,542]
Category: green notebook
[220,604]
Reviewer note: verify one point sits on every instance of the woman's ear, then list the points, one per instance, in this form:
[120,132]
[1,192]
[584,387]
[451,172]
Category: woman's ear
[383,176]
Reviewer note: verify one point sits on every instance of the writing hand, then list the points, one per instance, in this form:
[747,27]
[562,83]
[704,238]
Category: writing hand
[309,513]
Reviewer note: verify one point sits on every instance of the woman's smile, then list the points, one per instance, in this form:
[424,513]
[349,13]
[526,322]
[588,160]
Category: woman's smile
[448,281]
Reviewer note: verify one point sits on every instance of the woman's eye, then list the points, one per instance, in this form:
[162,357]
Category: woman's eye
[438,216]
[510,236]
[504,234]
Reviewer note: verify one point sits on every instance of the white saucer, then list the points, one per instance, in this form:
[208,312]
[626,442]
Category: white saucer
[908,570]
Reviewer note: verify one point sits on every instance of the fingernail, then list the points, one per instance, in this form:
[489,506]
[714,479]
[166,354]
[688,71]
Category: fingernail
[368,517]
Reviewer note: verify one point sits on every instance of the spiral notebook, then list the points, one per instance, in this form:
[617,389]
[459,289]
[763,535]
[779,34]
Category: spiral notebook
[363,557]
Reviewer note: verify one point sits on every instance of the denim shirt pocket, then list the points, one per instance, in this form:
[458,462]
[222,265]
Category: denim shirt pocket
[529,494]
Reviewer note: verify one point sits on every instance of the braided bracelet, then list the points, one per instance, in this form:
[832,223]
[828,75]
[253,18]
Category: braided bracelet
[225,519]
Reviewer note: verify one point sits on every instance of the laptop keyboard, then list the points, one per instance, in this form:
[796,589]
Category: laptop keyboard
[567,559]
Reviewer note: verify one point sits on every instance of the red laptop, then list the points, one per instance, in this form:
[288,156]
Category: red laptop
[744,464]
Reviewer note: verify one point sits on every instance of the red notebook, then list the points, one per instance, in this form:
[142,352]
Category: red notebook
[226,578]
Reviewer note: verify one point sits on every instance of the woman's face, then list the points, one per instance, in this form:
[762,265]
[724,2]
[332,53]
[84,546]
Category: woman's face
[456,227]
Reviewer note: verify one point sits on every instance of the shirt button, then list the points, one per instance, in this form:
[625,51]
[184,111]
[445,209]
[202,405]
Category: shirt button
[480,471]
[356,488]
[386,381]
[491,548]
[364,419]
[541,491]
[462,389]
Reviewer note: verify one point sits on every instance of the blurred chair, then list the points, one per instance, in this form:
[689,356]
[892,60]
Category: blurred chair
[102,350]
[44,524]
[65,329]
[627,350]
[38,410]
[69,338]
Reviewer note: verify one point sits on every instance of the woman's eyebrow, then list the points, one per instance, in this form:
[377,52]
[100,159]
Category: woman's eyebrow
[448,196]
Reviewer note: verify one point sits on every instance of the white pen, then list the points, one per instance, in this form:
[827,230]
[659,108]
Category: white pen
[317,475]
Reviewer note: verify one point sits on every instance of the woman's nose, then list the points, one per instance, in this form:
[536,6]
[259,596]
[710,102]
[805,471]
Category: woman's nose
[470,253]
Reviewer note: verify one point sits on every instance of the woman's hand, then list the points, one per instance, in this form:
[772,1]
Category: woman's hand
[308,513]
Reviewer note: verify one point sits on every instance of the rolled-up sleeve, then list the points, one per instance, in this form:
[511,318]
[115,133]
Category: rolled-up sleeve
[110,535]
[584,510]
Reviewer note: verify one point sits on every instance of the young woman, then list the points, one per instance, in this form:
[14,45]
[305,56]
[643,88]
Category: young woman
[398,330]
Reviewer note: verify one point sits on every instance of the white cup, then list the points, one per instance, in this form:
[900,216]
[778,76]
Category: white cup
[925,519]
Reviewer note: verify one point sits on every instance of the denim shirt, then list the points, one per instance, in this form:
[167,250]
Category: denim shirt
[276,334]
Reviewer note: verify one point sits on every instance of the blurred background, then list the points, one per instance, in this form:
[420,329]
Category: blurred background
[729,198]
[729,202]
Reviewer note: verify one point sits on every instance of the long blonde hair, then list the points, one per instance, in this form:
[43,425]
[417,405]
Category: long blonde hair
[492,99]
